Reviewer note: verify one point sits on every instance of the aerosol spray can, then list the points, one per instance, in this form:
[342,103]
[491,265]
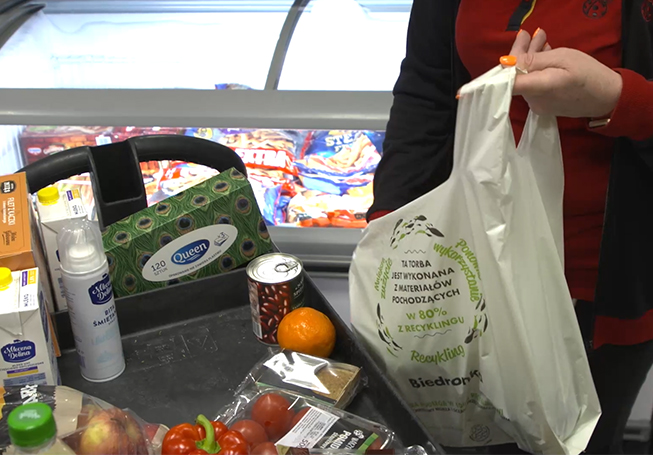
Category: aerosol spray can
[92,310]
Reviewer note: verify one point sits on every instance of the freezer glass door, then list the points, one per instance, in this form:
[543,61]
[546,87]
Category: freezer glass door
[347,45]
[143,44]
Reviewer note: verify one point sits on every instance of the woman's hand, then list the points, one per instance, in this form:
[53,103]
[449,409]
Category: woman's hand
[563,82]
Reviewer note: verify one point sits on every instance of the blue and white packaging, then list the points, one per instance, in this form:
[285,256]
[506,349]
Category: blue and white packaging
[27,353]
[91,306]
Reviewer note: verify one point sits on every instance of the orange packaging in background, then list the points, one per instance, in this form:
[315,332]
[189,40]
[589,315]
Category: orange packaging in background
[20,244]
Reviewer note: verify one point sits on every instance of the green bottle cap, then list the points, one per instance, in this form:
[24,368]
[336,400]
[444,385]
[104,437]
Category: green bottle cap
[31,425]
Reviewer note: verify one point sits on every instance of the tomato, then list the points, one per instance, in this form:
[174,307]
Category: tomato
[272,412]
[233,440]
[295,420]
[267,448]
[219,429]
[252,431]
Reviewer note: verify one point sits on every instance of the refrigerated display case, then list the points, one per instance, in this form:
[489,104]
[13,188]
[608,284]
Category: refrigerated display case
[64,54]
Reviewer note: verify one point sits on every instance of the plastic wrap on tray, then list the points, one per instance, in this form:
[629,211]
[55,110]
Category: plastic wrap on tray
[332,383]
[87,424]
[294,422]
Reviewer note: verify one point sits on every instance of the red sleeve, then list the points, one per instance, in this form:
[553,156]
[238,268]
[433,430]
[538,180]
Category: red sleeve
[633,116]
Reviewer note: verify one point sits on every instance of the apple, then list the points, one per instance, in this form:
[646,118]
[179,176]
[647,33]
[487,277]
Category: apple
[112,432]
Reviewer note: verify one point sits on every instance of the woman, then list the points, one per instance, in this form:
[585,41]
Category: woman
[586,62]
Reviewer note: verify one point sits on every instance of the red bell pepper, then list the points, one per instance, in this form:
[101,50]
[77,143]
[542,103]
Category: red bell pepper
[188,439]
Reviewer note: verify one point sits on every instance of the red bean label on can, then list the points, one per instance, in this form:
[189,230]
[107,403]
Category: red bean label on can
[276,287]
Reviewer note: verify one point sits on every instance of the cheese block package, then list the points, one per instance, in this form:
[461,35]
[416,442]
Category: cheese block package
[325,381]
[208,229]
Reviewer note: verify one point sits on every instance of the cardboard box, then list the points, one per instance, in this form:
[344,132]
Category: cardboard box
[208,229]
[27,347]
[53,219]
[20,241]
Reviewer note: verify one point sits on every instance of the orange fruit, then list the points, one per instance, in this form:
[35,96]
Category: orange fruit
[307,331]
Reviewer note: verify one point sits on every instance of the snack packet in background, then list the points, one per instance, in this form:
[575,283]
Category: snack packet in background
[232,86]
[274,150]
[294,422]
[273,191]
[81,418]
[335,161]
[325,381]
[178,176]
[38,142]
[310,208]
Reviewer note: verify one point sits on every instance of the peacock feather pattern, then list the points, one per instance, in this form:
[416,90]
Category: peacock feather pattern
[224,199]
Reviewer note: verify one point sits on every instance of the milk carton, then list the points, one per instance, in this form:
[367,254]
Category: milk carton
[55,210]
[27,351]
[20,242]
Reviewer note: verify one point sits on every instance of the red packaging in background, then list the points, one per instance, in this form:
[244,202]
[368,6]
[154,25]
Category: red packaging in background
[37,142]
[122,133]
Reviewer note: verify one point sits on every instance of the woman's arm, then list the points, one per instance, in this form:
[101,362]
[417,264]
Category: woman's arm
[419,137]
[633,115]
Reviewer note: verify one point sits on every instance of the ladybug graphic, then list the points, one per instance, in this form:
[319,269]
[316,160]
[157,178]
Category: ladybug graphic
[595,9]
[647,10]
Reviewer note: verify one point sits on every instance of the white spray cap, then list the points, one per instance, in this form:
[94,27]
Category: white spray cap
[80,247]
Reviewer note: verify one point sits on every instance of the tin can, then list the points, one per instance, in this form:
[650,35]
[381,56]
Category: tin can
[276,287]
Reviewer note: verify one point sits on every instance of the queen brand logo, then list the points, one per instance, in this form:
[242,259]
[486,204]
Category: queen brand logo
[102,291]
[191,252]
[18,351]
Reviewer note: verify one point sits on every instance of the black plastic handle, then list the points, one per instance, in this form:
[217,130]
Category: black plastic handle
[115,172]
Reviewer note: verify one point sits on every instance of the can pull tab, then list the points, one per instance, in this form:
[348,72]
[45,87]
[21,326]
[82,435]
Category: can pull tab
[285,267]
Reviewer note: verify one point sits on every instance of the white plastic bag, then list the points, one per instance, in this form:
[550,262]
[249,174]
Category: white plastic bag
[461,295]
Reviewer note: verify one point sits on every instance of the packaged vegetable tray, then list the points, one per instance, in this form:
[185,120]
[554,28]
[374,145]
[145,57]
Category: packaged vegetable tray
[292,422]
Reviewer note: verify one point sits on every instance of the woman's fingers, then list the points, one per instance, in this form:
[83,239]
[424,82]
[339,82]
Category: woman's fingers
[521,43]
[538,42]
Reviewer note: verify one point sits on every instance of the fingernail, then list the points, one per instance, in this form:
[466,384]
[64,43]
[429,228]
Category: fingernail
[546,44]
[457,96]
[536,32]
[519,32]
[508,60]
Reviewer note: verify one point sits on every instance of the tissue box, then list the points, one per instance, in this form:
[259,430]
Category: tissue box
[211,228]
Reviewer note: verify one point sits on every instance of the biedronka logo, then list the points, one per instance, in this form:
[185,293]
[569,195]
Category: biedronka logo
[424,279]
